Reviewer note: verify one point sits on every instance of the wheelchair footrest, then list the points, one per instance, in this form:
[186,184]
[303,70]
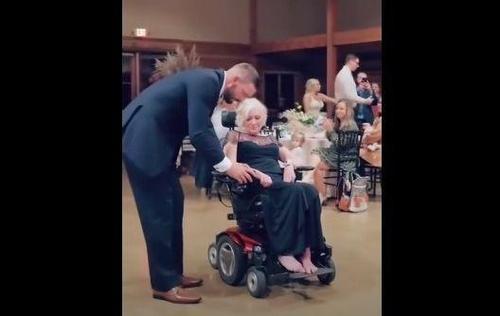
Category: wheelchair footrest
[300,275]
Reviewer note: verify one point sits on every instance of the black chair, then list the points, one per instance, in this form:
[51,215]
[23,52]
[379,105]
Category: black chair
[228,119]
[347,148]
[375,175]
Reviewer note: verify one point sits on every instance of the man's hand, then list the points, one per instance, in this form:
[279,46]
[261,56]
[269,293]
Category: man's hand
[240,172]
[369,100]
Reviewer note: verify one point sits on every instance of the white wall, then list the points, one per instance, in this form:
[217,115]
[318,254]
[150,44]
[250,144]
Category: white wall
[197,20]
[356,14]
[229,20]
[281,19]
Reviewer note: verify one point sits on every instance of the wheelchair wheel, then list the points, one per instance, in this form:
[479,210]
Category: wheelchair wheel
[231,261]
[256,283]
[328,278]
[212,256]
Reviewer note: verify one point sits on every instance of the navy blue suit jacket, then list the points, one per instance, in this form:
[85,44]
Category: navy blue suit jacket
[157,120]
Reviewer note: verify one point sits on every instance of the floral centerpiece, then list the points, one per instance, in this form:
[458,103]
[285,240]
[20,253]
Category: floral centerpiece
[298,121]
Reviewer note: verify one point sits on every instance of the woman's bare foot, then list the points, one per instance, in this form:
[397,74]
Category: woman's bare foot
[291,264]
[309,267]
[307,264]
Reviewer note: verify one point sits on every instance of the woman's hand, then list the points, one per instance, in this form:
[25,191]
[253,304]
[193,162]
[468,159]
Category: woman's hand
[328,125]
[289,174]
[264,179]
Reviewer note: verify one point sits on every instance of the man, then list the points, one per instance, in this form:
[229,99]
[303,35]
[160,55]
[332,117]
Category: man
[154,125]
[363,113]
[345,88]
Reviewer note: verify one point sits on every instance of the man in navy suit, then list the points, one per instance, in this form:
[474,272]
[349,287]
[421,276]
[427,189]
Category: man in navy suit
[154,125]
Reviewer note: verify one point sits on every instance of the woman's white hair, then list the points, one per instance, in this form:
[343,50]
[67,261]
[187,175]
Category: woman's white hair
[245,107]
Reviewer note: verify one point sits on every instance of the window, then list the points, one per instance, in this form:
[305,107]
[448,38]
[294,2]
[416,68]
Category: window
[127,62]
[279,90]
[147,67]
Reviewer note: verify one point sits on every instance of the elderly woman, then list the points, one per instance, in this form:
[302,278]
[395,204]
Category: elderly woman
[292,215]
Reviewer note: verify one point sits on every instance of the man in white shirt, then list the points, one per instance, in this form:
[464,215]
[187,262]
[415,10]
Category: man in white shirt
[345,87]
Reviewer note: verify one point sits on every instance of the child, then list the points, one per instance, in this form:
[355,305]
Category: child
[296,150]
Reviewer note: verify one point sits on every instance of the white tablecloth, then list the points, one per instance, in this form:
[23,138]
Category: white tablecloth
[313,141]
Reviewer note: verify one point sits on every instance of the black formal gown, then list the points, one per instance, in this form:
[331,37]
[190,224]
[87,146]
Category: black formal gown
[292,211]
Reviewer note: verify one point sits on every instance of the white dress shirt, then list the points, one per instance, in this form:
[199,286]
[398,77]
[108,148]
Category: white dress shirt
[225,164]
[345,87]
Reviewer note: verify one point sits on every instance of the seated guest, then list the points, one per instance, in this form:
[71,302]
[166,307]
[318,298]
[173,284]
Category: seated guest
[343,121]
[373,133]
[298,155]
[377,99]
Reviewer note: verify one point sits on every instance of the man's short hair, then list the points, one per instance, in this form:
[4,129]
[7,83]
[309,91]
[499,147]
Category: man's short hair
[248,72]
[350,57]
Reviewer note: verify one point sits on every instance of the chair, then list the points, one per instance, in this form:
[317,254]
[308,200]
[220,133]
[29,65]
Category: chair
[244,250]
[228,119]
[375,175]
[347,149]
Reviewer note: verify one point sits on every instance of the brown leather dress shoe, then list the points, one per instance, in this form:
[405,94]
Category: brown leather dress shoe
[187,282]
[178,296]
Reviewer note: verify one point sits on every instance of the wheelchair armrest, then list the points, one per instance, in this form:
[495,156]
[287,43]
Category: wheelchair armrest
[233,184]
[222,177]
[218,174]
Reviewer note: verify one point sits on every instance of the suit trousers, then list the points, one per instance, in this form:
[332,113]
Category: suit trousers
[160,203]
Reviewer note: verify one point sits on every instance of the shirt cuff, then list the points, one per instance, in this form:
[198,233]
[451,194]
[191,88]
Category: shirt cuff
[224,165]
